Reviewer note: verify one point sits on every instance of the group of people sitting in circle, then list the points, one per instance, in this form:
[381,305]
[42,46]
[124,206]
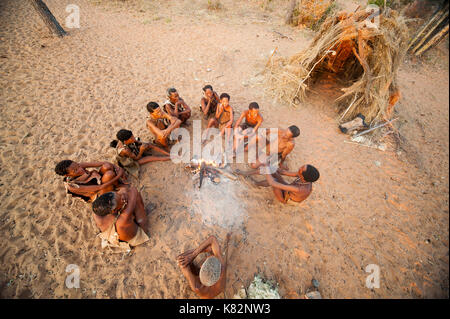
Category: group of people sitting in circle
[118,208]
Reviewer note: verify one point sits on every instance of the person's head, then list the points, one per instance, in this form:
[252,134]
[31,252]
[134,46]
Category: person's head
[224,99]
[172,95]
[295,131]
[154,109]
[107,203]
[208,89]
[210,271]
[308,173]
[69,168]
[253,108]
[125,136]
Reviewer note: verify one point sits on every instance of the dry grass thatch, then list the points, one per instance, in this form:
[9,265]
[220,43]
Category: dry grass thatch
[351,49]
[310,13]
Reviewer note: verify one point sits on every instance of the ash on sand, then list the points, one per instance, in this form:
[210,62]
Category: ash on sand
[220,204]
[259,289]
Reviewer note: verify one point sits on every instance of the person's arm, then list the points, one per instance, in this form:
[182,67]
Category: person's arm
[154,129]
[193,280]
[157,149]
[238,122]
[272,182]
[215,249]
[205,106]
[127,153]
[228,124]
[128,211]
[170,111]
[216,96]
[219,109]
[287,173]
[258,124]
[187,108]
[206,246]
[174,123]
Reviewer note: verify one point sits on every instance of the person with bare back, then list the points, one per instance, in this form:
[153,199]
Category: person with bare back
[209,280]
[121,217]
[296,191]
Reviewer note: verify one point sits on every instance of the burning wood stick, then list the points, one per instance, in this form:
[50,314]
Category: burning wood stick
[225,173]
[202,173]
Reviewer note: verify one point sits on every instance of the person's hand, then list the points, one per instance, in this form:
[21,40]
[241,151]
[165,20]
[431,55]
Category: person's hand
[119,171]
[165,133]
[185,258]
[143,148]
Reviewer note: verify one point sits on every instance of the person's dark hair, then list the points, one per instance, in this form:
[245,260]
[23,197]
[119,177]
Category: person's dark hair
[124,135]
[104,204]
[61,167]
[224,95]
[253,105]
[208,86]
[114,143]
[311,174]
[170,91]
[294,130]
[152,106]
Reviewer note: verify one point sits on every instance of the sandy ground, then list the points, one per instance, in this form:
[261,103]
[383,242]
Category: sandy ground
[66,98]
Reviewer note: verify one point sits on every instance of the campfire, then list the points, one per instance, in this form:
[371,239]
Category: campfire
[211,169]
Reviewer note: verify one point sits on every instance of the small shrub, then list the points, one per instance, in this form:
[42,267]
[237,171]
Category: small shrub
[214,5]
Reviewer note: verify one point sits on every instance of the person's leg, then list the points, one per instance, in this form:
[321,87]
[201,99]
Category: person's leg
[106,167]
[169,132]
[212,123]
[157,133]
[252,142]
[194,269]
[280,195]
[107,176]
[246,173]
[261,183]
[186,116]
[148,159]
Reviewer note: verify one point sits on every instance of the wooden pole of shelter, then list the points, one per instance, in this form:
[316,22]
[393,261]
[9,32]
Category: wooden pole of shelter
[290,13]
[49,19]
[434,26]
[425,38]
[434,41]
[422,30]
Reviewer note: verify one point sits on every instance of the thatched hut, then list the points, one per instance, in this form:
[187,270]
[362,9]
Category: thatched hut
[361,49]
